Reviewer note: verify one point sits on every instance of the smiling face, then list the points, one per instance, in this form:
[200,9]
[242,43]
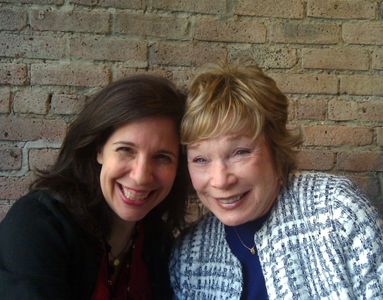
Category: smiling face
[138,166]
[234,177]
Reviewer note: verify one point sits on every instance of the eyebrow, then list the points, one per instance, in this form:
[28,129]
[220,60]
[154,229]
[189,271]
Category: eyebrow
[163,151]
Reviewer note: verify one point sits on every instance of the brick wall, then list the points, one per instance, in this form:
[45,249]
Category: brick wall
[326,55]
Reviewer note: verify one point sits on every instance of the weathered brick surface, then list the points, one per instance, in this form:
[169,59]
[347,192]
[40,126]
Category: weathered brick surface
[362,85]
[187,54]
[200,6]
[344,59]
[29,129]
[132,53]
[12,19]
[360,161]
[74,21]
[332,135]
[326,55]
[31,100]
[15,74]
[151,25]
[299,32]
[42,159]
[369,33]
[230,30]
[32,46]
[10,158]
[5,97]
[341,9]
[75,74]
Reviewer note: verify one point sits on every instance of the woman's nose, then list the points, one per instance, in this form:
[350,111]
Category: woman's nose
[142,172]
[221,176]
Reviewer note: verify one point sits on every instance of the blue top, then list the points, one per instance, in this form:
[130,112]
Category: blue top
[251,267]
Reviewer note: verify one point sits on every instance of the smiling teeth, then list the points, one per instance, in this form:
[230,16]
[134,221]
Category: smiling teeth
[229,200]
[134,195]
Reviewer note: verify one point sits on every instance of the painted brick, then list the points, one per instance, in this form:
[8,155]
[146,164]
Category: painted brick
[64,104]
[186,53]
[5,97]
[32,46]
[332,135]
[230,30]
[311,109]
[306,83]
[10,158]
[342,110]
[28,129]
[341,9]
[75,74]
[16,74]
[74,21]
[304,33]
[360,161]
[368,33]
[343,59]
[274,8]
[199,6]
[12,19]
[320,160]
[377,59]
[31,100]
[133,53]
[151,25]
[12,188]
[42,159]
[265,57]
[362,85]
[133,4]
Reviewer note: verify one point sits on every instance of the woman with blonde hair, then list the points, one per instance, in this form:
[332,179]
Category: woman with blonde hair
[272,232]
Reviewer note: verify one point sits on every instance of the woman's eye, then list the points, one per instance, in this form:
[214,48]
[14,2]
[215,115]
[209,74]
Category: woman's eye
[164,158]
[241,152]
[125,150]
[199,160]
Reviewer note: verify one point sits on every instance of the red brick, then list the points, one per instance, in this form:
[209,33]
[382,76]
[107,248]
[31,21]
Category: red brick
[65,104]
[371,110]
[31,100]
[186,53]
[230,30]
[341,110]
[320,160]
[70,74]
[199,6]
[73,21]
[42,159]
[341,9]
[132,53]
[377,59]
[360,161]
[13,187]
[266,8]
[32,46]
[10,158]
[133,4]
[5,97]
[304,33]
[342,58]
[12,19]
[362,32]
[27,129]
[306,83]
[151,25]
[371,85]
[16,74]
[265,56]
[332,135]
[311,109]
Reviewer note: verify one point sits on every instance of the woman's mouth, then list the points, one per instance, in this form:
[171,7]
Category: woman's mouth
[230,202]
[132,196]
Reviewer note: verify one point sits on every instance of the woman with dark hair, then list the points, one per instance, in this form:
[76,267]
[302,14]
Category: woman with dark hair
[99,224]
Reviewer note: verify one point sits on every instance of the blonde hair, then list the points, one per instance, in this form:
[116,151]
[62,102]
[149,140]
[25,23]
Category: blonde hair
[227,99]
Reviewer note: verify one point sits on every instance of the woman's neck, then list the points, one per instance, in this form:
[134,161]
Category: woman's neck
[120,235]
